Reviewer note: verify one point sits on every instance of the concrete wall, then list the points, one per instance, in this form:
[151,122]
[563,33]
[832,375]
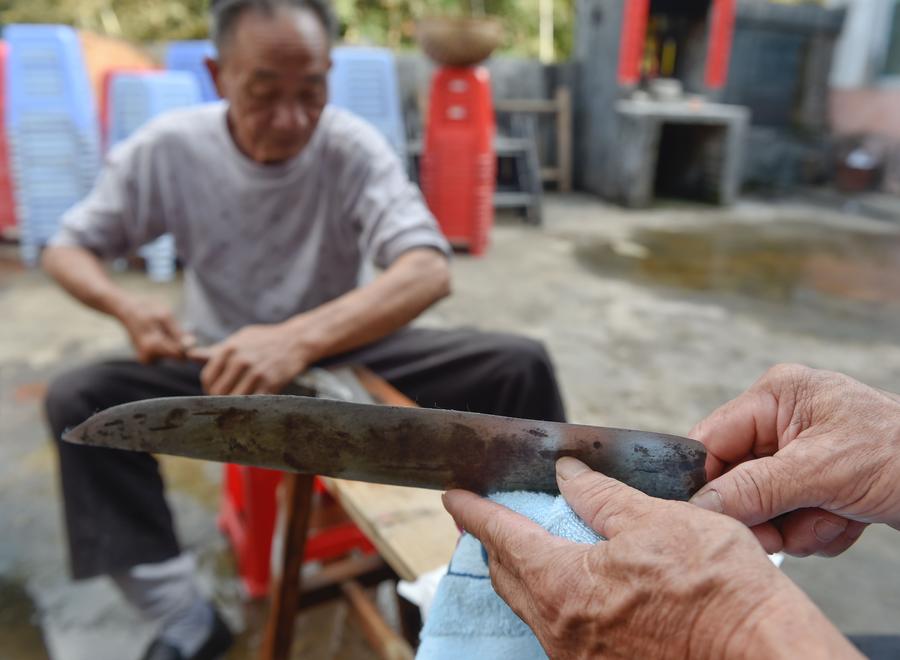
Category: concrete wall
[863,42]
[868,110]
[861,99]
[597,43]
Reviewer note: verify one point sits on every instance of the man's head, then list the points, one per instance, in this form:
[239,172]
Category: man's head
[272,67]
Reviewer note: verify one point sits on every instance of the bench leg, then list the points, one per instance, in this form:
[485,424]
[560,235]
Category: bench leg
[381,637]
[286,589]
[410,620]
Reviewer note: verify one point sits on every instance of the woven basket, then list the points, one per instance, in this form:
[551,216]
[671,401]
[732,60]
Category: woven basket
[459,41]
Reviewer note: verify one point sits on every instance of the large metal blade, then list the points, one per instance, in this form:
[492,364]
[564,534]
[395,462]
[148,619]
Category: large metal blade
[403,446]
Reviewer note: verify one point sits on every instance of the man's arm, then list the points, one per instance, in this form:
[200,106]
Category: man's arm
[417,280]
[82,274]
[153,330]
[263,359]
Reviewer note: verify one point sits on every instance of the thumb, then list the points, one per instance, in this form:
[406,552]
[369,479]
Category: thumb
[757,491]
[608,506]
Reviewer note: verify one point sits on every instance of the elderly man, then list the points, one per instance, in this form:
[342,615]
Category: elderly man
[802,462]
[275,202]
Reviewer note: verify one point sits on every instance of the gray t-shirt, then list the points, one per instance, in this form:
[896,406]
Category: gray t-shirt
[259,244]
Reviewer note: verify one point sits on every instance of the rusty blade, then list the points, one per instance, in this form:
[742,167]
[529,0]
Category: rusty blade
[418,447]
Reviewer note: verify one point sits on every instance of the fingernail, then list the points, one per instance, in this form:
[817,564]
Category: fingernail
[709,500]
[569,468]
[828,530]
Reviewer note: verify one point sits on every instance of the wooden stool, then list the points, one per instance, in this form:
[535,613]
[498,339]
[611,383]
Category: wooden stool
[408,527]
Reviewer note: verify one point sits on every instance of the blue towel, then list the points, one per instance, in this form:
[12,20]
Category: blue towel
[468,619]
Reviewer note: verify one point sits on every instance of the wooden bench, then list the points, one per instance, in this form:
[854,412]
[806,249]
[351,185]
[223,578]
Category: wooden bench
[409,528]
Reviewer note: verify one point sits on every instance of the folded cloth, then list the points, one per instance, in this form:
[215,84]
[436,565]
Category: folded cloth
[467,618]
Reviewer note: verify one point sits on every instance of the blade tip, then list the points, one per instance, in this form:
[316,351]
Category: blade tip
[74,435]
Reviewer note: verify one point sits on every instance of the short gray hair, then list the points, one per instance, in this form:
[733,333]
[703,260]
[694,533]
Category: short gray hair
[224,15]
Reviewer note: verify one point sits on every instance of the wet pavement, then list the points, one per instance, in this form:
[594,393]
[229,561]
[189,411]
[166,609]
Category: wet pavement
[840,278]
[791,263]
[653,318]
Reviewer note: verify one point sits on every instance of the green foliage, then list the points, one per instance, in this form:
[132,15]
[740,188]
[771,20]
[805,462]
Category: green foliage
[382,22]
[138,20]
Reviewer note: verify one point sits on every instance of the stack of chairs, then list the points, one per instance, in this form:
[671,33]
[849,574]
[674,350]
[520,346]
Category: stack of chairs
[364,81]
[190,56]
[136,97]
[51,127]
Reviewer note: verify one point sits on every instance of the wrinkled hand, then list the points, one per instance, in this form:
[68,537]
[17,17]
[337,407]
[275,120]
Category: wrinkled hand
[153,330]
[673,581]
[805,457]
[258,359]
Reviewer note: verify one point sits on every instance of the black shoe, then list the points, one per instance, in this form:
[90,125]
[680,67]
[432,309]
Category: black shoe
[216,645]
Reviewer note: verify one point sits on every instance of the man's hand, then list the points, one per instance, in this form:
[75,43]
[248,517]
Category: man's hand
[806,458]
[258,359]
[154,332]
[673,581]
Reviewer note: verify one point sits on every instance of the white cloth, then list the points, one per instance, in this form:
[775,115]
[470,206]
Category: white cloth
[467,618]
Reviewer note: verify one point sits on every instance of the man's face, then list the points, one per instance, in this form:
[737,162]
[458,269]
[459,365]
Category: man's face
[273,72]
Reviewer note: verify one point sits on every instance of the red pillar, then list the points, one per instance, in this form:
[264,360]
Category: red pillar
[631,45]
[721,33]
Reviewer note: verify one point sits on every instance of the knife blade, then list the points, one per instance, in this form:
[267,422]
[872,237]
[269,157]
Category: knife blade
[418,447]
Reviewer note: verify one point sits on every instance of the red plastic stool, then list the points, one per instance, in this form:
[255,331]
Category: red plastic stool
[247,516]
[7,194]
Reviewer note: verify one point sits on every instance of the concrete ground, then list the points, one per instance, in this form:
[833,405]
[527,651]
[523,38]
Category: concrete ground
[653,318]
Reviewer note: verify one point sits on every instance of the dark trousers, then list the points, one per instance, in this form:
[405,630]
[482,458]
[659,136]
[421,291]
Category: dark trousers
[115,509]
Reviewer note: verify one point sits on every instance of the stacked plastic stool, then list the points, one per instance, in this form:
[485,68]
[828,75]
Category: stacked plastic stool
[459,163]
[364,81]
[51,128]
[190,56]
[7,197]
[247,515]
[135,97]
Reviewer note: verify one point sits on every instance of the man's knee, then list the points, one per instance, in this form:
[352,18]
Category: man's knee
[72,396]
[522,357]
[525,379]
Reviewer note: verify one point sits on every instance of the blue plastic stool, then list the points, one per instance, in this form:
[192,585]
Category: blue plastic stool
[364,81]
[51,127]
[134,99]
[137,97]
[190,56]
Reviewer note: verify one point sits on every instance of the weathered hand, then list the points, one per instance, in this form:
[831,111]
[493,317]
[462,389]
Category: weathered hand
[673,581]
[805,457]
[154,332]
[258,359]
